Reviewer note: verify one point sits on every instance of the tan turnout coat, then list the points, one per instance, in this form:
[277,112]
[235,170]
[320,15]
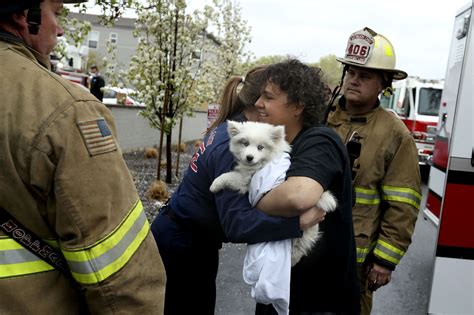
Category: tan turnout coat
[387,184]
[63,176]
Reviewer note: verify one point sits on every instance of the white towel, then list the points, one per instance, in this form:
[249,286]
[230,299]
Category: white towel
[267,266]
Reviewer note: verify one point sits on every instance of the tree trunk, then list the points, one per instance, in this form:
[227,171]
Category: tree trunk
[178,153]
[171,88]
[160,149]
[162,121]
[168,158]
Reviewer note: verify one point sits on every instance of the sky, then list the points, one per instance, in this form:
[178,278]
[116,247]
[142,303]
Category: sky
[420,30]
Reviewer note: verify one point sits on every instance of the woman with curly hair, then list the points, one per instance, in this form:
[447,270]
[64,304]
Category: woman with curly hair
[324,281]
[190,229]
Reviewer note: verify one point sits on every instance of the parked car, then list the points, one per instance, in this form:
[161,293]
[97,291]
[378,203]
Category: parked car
[120,96]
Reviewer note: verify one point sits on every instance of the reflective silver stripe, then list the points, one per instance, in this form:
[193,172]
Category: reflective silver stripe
[402,194]
[17,256]
[388,252]
[15,260]
[367,196]
[362,254]
[98,263]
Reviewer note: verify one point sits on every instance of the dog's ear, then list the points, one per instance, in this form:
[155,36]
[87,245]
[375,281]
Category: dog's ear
[233,127]
[278,133]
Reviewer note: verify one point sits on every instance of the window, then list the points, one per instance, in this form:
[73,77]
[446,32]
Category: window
[93,39]
[113,37]
[429,101]
[386,101]
[396,100]
[402,107]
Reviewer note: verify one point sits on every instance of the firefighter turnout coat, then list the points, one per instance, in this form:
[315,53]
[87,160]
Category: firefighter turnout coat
[387,183]
[63,177]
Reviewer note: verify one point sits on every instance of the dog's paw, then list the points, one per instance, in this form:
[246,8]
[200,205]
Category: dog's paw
[243,190]
[327,202]
[217,185]
[213,188]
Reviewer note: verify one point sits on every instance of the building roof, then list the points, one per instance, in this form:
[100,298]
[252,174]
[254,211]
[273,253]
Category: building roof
[95,19]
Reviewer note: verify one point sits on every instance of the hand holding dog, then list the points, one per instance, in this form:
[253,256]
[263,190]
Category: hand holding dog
[311,217]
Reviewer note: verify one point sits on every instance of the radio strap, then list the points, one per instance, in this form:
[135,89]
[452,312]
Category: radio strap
[33,243]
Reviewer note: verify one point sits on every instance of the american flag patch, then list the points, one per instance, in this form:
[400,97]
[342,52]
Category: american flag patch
[97,136]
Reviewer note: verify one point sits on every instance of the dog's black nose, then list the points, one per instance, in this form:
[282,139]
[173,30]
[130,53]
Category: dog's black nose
[249,158]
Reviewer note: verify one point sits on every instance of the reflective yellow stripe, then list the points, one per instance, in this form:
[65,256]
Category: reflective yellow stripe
[9,244]
[402,199]
[402,194]
[366,190]
[23,269]
[15,260]
[362,254]
[382,255]
[390,247]
[388,252]
[102,259]
[367,196]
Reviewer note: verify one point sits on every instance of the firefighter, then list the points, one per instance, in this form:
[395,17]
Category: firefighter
[62,177]
[384,160]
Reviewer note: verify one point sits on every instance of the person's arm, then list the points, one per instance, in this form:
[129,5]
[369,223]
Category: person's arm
[241,222]
[291,198]
[270,177]
[315,162]
[244,224]
[401,192]
[95,210]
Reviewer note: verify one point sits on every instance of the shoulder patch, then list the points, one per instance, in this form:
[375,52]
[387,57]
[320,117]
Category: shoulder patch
[97,136]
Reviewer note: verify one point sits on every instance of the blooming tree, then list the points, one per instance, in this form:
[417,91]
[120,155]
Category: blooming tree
[174,53]
[111,10]
[179,64]
[231,33]
[75,31]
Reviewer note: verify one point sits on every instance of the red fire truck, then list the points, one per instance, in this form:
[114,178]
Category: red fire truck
[74,76]
[416,102]
[450,202]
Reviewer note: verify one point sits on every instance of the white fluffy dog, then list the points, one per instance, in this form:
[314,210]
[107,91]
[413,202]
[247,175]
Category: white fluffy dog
[253,145]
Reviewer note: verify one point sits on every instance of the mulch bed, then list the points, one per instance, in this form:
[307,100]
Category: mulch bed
[144,174]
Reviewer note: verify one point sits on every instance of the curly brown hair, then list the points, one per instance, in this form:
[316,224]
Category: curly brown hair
[304,85]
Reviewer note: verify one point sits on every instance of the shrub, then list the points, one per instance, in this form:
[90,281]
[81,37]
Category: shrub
[151,153]
[181,148]
[158,191]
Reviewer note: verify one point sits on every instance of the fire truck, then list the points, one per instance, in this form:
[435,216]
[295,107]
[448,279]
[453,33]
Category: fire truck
[74,76]
[450,201]
[416,102]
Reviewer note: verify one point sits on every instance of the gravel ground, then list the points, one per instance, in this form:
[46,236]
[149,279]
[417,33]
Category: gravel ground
[233,295]
[144,174]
